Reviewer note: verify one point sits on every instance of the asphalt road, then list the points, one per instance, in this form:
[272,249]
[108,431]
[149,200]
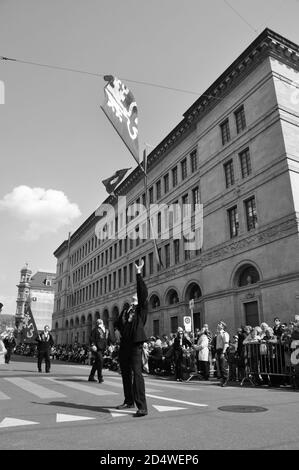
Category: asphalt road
[63,411]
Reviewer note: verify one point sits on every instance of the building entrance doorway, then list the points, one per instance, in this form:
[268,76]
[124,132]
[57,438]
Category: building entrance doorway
[251,313]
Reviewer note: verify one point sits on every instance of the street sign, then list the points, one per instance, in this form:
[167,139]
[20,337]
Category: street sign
[188,323]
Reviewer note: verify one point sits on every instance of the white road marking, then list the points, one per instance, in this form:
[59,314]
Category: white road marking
[3,396]
[35,389]
[62,418]
[175,400]
[83,388]
[168,408]
[9,422]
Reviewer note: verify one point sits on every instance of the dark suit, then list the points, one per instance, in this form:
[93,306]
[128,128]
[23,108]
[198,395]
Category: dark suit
[98,339]
[10,344]
[178,344]
[131,326]
[44,345]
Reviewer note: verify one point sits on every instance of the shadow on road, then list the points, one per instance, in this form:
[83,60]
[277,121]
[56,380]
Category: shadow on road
[78,406]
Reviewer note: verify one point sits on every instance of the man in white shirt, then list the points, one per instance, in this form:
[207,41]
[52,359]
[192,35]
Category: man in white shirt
[222,343]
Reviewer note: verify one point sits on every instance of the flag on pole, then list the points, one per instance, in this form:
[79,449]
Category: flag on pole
[121,109]
[27,326]
[114,180]
[157,253]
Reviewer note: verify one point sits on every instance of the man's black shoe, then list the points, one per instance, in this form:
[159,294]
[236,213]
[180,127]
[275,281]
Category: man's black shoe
[39,371]
[224,383]
[47,372]
[101,380]
[124,406]
[140,413]
[91,379]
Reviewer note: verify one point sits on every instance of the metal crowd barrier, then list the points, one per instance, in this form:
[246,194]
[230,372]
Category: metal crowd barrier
[266,362]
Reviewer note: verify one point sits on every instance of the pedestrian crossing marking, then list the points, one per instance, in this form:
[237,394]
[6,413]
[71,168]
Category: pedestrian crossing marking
[117,415]
[163,384]
[34,388]
[112,410]
[10,422]
[175,400]
[3,396]
[83,388]
[168,408]
[62,418]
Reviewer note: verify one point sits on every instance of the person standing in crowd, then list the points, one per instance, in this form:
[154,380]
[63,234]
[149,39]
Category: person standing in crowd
[10,344]
[98,344]
[222,343]
[44,344]
[131,324]
[277,328]
[202,348]
[181,341]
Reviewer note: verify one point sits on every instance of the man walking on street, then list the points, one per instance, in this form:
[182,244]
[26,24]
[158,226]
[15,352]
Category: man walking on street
[131,326]
[98,345]
[222,343]
[44,344]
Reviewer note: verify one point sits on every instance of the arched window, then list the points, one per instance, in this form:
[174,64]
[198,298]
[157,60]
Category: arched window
[83,320]
[154,301]
[172,297]
[72,323]
[66,324]
[247,275]
[56,326]
[115,314]
[193,292]
[77,321]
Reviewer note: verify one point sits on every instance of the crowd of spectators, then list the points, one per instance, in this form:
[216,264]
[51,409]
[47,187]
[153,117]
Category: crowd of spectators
[261,353]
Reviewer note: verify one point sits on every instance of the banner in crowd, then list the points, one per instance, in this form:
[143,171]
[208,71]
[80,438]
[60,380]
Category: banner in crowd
[27,327]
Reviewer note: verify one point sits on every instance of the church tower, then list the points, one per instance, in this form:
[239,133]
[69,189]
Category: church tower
[23,292]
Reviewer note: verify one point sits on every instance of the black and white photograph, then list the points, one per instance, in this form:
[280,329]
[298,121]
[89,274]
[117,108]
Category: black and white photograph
[149,250]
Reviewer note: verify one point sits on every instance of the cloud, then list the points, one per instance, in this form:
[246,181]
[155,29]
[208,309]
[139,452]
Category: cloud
[44,210]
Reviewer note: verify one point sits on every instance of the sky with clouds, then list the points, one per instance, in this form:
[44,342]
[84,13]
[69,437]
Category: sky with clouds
[56,145]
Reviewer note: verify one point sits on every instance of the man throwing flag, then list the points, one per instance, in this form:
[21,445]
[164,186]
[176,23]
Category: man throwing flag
[131,326]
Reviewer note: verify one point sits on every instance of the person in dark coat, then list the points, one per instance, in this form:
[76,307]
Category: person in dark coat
[98,344]
[131,323]
[181,342]
[44,344]
[10,344]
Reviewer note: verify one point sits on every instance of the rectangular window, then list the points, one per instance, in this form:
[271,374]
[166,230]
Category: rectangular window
[185,203]
[166,183]
[193,160]
[159,223]
[174,324]
[240,119]
[176,245]
[167,255]
[119,278]
[120,247]
[156,328]
[251,215]
[160,257]
[233,221]
[115,250]
[174,176]
[245,163]
[229,173]
[144,266]
[158,189]
[195,197]
[151,263]
[225,132]
[125,275]
[110,254]
[151,195]
[184,168]
[131,272]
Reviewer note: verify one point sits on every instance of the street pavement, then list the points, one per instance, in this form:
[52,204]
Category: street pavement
[63,411]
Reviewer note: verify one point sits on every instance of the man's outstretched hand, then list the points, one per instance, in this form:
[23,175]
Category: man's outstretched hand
[139,267]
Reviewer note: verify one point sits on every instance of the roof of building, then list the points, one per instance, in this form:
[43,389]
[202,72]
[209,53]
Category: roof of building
[38,280]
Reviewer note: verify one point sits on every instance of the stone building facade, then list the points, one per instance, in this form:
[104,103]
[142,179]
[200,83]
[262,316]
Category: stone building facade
[235,153]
